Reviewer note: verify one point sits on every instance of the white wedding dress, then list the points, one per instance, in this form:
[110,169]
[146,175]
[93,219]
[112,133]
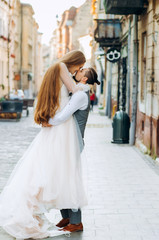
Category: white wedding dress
[48,176]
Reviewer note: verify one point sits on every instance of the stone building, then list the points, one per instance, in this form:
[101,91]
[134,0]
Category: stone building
[53,46]
[38,62]
[46,58]
[5,11]
[27,48]
[31,52]
[74,23]
[20,48]
[82,24]
[134,83]
[64,31]
[17,46]
[147,130]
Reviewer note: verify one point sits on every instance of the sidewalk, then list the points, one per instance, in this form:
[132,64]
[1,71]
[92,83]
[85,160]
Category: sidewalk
[122,184]
[123,188]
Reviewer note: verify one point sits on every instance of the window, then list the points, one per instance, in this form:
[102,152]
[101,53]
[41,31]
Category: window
[101,6]
[30,58]
[143,66]
[142,126]
[1,72]
[1,27]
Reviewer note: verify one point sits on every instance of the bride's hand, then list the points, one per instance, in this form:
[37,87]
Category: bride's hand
[45,124]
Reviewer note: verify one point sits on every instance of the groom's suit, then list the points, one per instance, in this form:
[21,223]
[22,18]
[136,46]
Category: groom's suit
[80,101]
[81,117]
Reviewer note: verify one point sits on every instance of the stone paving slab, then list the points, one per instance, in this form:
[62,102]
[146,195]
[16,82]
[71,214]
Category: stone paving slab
[122,184]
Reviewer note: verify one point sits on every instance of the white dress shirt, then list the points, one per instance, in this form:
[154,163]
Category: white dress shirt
[78,101]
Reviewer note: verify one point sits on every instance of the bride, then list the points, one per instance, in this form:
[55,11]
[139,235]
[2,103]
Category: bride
[48,176]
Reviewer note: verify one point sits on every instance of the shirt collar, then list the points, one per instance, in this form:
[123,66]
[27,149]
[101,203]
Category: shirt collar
[85,87]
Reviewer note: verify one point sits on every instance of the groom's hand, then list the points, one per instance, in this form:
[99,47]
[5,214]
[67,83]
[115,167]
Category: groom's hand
[46,124]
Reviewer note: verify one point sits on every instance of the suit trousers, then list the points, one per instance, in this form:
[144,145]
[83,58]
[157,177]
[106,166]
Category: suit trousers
[74,216]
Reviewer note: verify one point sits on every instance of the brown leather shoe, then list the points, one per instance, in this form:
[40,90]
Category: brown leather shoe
[63,223]
[73,227]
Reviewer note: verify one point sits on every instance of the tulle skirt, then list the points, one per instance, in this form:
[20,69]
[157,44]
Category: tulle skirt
[47,176]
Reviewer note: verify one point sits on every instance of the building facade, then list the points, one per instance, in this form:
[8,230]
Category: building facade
[53,47]
[134,78]
[20,48]
[74,24]
[65,32]
[5,11]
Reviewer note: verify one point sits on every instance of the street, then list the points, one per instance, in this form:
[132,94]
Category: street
[122,184]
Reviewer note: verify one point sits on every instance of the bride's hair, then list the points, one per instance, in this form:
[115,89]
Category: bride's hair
[73,58]
[48,96]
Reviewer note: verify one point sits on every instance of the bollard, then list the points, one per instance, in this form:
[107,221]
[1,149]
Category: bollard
[121,126]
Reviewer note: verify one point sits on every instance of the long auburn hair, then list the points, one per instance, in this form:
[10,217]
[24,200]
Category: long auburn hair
[49,93]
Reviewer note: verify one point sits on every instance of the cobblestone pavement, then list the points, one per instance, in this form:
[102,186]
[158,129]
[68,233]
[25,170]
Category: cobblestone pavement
[122,183]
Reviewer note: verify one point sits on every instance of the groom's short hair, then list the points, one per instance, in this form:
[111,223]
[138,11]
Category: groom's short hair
[92,76]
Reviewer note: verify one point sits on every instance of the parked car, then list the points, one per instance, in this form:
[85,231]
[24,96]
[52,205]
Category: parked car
[17,94]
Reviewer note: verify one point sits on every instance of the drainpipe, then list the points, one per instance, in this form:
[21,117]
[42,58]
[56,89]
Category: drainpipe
[152,80]
[109,87]
[128,69]
[118,91]
[134,80]
[105,76]
[21,39]
[8,48]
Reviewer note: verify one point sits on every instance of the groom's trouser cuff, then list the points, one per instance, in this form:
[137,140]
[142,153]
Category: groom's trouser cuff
[75,217]
[65,213]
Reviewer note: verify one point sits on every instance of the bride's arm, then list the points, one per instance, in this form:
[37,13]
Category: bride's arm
[78,101]
[67,79]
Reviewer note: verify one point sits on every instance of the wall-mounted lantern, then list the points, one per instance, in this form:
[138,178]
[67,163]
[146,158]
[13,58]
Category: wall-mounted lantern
[108,32]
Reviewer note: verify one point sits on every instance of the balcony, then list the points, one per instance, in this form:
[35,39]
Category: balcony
[124,7]
[108,32]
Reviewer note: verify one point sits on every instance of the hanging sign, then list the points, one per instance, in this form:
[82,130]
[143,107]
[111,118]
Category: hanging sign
[113,55]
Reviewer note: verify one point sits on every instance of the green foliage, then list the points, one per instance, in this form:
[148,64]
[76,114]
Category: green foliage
[2,86]
[100,107]
[152,153]
[2,99]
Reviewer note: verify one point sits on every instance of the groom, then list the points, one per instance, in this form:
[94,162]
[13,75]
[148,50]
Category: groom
[78,105]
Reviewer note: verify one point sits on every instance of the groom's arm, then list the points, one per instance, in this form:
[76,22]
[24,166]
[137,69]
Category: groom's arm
[79,100]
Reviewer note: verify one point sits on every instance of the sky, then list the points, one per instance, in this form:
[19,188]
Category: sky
[46,12]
